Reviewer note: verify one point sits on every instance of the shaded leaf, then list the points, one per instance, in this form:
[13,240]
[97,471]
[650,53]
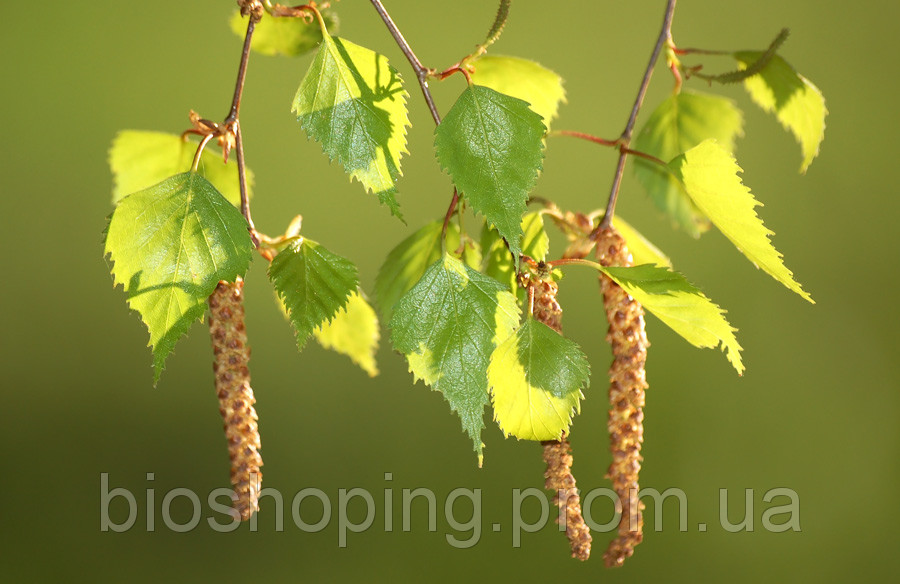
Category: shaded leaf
[140,159]
[491,145]
[795,101]
[679,123]
[681,306]
[535,244]
[448,325]
[353,103]
[171,244]
[536,377]
[710,177]
[313,283]
[407,262]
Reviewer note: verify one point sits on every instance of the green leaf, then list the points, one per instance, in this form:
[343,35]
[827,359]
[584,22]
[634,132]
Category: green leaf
[642,250]
[681,122]
[140,159]
[171,244]
[680,306]
[536,378]
[407,262]
[448,325]
[535,244]
[524,79]
[353,103]
[491,145]
[710,176]
[290,37]
[353,332]
[796,102]
[313,283]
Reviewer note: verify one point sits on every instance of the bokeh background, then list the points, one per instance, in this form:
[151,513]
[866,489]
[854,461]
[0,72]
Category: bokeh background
[816,411]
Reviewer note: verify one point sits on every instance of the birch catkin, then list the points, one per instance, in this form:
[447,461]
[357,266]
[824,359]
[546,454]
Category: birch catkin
[557,453]
[628,383]
[229,341]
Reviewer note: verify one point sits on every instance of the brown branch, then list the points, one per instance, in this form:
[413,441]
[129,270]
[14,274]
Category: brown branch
[421,71]
[625,140]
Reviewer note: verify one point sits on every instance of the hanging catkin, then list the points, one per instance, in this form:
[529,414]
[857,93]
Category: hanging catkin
[229,341]
[557,453]
[628,383]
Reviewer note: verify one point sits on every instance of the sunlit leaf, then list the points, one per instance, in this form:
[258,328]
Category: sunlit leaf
[171,244]
[524,79]
[642,250]
[710,176]
[681,306]
[536,378]
[140,159]
[353,332]
[284,36]
[795,101]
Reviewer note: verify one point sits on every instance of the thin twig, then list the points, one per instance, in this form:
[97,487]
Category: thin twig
[233,122]
[421,71]
[242,71]
[625,140]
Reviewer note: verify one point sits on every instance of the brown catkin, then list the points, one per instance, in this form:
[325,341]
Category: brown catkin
[557,453]
[628,383]
[229,341]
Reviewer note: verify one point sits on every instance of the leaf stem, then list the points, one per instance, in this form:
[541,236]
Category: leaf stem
[585,136]
[196,162]
[421,71]
[575,262]
[665,35]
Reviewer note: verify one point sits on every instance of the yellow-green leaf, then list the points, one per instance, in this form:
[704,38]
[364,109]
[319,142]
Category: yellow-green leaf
[527,80]
[353,332]
[353,103]
[140,159]
[680,306]
[284,36]
[710,176]
[796,102]
[536,378]
[642,249]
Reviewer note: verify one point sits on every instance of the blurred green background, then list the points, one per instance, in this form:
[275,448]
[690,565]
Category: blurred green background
[816,412]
